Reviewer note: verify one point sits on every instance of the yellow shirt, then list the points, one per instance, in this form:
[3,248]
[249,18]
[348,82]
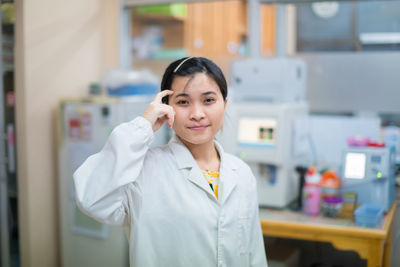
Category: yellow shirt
[212,179]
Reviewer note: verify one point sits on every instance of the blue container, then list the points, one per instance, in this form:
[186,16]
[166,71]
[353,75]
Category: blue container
[134,89]
[369,215]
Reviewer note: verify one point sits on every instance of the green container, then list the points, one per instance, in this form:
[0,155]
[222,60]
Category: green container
[169,54]
[176,9]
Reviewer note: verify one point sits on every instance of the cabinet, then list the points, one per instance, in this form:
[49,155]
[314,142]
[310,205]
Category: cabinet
[211,29]
[215,28]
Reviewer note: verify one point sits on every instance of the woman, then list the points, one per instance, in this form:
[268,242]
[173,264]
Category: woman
[187,203]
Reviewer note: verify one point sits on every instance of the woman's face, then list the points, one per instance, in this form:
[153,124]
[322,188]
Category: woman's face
[199,108]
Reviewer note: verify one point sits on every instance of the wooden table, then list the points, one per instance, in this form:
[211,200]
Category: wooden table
[372,244]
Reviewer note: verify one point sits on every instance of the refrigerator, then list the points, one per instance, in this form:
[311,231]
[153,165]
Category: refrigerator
[84,126]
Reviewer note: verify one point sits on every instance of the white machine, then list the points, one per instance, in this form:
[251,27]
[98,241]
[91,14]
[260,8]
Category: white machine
[369,172]
[277,80]
[84,128]
[267,124]
[272,139]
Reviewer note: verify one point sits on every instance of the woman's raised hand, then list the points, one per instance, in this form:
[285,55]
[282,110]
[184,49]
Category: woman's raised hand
[157,113]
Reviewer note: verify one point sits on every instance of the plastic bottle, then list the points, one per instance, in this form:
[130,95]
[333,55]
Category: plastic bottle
[312,192]
[330,184]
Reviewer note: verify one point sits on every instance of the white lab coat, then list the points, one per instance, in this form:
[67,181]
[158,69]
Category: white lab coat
[172,216]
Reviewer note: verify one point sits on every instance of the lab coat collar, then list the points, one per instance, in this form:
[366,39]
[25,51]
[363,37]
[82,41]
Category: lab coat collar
[185,160]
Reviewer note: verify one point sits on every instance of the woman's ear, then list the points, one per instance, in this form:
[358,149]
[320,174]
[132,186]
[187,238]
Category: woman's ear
[226,102]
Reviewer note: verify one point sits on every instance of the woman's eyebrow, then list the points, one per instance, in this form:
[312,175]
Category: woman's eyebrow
[181,94]
[187,95]
[209,92]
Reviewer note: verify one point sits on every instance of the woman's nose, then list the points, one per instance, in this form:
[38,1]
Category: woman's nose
[197,112]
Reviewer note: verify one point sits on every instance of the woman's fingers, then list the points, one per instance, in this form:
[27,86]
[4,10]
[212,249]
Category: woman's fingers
[156,110]
[169,112]
[160,121]
[162,94]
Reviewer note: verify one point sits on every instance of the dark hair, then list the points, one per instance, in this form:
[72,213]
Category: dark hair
[189,66]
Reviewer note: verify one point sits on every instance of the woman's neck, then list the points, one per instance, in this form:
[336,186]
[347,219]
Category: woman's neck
[206,155]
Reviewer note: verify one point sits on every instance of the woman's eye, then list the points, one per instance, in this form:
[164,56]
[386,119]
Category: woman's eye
[209,100]
[182,102]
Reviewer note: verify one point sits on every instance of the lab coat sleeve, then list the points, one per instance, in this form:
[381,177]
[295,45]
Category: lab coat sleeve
[257,248]
[101,181]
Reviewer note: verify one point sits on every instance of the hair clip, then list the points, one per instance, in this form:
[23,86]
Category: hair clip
[180,64]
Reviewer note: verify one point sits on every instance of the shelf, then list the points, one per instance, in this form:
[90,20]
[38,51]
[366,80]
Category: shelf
[157,18]
[162,12]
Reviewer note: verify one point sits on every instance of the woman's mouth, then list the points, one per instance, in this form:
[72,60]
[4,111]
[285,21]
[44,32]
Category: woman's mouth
[198,128]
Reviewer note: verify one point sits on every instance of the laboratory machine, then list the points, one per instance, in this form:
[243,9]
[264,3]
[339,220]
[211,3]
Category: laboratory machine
[84,126]
[272,139]
[275,80]
[370,173]
[266,124]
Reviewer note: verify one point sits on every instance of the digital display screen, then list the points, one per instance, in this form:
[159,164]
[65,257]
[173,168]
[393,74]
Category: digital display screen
[257,131]
[355,165]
